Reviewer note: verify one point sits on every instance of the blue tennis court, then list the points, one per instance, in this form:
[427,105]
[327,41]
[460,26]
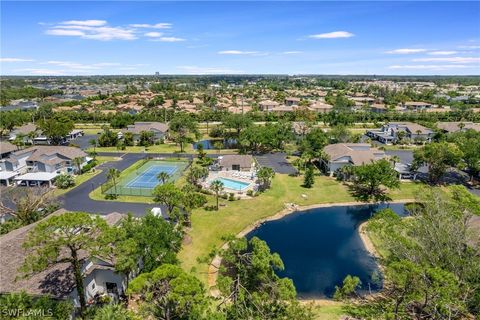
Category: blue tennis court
[148,178]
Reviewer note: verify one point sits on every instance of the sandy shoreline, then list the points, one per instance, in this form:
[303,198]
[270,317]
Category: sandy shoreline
[217,260]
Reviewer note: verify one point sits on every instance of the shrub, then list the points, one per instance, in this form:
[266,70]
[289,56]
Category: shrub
[231,196]
[89,166]
[64,181]
[250,193]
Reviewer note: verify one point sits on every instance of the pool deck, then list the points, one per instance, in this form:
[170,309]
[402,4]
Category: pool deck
[240,176]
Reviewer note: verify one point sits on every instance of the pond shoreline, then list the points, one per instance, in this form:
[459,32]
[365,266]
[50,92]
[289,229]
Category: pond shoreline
[289,209]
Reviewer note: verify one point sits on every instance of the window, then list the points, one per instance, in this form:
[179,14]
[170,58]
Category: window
[93,285]
[235,167]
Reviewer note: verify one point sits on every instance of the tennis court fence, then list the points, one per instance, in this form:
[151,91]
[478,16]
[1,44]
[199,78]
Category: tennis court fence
[121,186]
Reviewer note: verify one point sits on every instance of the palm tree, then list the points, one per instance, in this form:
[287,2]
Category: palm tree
[113,174]
[217,187]
[78,162]
[19,140]
[163,177]
[265,175]
[93,143]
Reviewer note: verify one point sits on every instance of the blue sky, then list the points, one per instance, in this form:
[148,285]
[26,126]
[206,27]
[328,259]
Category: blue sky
[82,38]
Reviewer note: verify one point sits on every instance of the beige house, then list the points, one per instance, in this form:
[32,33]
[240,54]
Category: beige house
[159,130]
[340,155]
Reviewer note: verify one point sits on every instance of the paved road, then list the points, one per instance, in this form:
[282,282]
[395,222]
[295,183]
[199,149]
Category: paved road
[78,200]
[277,161]
[83,141]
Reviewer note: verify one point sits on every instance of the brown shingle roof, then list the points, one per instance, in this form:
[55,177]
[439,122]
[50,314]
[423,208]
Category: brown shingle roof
[6,147]
[245,161]
[40,151]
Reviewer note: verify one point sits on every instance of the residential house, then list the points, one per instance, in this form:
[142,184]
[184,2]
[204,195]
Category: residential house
[320,107]
[159,130]
[292,101]
[340,155]
[33,135]
[40,165]
[235,162]
[267,105]
[57,281]
[417,106]
[393,131]
[451,127]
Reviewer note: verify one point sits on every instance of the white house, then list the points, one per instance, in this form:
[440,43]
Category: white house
[340,155]
[390,132]
[57,281]
[40,165]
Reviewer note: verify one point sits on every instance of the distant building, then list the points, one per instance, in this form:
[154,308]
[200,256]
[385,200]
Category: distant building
[157,73]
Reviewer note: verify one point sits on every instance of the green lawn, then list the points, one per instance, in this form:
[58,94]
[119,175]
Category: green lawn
[208,227]
[331,311]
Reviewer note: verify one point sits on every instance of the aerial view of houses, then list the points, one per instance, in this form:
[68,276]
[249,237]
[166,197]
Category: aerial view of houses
[240,160]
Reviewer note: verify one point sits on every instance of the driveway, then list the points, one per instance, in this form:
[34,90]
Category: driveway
[83,141]
[78,200]
[277,161]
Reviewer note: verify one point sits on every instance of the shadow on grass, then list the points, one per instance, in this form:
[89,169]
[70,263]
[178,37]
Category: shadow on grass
[361,193]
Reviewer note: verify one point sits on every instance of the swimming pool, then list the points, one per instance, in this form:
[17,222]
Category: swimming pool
[233,184]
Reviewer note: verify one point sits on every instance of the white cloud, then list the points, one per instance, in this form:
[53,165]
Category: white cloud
[450,59]
[15,60]
[442,53]
[469,47]
[406,51]
[208,70]
[88,23]
[332,35]
[153,34]
[41,72]
[237,52]
[64,32]
[168,39]
[162,25]
[429,67]
[292,52]
[91,29]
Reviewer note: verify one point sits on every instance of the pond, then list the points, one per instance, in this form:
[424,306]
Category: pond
[321,246]
[209,144]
